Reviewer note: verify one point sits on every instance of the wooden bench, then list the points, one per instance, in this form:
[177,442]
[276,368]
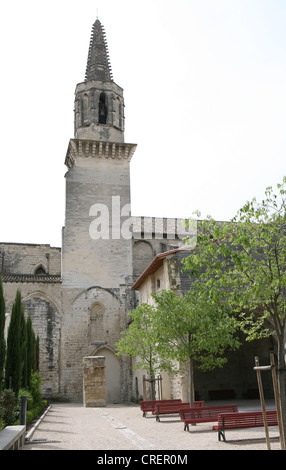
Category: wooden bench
[245,419]
[169,409]
[205,414]
[149,405]
[198,404]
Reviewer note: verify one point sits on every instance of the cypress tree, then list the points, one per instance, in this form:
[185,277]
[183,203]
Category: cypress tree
[37,354]
[13,361]
[2,336]
[30,350]
[23,348]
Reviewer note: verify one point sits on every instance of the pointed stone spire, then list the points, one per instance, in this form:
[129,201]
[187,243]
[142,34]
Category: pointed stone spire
[98,65]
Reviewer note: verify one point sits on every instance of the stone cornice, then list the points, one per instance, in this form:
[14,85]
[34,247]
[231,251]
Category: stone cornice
[98,149]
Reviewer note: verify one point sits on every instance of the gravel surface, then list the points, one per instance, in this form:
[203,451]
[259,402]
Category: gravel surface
[122,427]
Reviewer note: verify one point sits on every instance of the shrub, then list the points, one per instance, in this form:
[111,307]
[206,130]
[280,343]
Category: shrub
[10,404]
[35,388]
[36,411]
[8,407]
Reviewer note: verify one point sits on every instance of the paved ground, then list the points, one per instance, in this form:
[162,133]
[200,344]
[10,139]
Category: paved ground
[121,427]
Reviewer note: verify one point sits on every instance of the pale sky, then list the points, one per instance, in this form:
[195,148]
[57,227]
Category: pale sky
[205,101]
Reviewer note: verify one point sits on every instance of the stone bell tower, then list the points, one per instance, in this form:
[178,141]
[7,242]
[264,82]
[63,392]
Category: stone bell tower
[99,103]
[97,243]
[98,178]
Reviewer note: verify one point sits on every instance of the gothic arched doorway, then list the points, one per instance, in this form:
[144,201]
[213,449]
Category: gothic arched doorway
[112,375]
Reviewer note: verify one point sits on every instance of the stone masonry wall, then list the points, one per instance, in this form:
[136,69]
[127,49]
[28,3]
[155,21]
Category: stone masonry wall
[18,258]
[94,387]
[42,301]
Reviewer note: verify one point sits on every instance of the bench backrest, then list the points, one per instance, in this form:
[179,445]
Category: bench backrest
[198,404]
[166,408]
[249,418]
[206,411]
[149,405]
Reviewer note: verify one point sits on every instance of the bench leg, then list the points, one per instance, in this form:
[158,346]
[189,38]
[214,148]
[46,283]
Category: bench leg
[186,427]
[144,414]
[221,435]
[157,418]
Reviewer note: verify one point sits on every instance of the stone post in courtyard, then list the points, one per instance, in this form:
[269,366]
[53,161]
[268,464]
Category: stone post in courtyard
[94,388]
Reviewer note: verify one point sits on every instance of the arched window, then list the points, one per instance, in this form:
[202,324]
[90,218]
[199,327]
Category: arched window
[102,109]
[40,271]
[97,322]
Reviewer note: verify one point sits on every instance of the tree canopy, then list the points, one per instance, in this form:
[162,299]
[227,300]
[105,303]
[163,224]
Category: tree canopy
[140,340]
[194,327]
[245,260]
[179,329]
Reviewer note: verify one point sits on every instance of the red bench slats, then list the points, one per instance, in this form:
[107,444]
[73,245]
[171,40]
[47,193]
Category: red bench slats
[247,419]
[198,404]
[204,414]
[149,405]
[168,409]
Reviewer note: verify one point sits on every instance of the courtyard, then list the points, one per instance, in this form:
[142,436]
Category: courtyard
[117,427]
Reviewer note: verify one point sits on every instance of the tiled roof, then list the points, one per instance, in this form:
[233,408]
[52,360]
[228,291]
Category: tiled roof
[154,265]
[45,278]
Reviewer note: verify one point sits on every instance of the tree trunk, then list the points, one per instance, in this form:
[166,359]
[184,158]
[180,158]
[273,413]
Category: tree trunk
[192,387]
[281,379]
[153,388]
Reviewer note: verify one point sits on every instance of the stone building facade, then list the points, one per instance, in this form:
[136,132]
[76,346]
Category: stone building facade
[237,377]
[79,295]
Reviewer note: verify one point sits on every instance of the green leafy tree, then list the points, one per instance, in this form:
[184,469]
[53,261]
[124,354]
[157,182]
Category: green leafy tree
[246,260]
[2,335]
[140,341]
[194,327]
